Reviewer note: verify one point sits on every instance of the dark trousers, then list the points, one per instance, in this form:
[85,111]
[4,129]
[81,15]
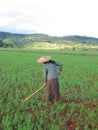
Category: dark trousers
[52,90]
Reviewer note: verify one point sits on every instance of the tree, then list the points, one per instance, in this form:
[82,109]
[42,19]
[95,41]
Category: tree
[1,43]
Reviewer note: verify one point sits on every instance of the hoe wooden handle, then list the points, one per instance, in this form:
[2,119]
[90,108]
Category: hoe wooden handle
[33,93]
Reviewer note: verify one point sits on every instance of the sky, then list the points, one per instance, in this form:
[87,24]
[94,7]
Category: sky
[51,17]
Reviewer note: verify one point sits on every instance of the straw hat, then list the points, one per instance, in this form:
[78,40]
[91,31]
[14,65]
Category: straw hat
[44,59]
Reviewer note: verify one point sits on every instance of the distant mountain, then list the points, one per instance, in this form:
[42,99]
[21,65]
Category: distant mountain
[12,39]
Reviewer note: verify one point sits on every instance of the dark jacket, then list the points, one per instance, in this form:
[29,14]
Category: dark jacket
[50,70]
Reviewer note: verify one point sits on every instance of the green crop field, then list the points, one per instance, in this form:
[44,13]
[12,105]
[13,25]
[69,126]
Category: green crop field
[21,75]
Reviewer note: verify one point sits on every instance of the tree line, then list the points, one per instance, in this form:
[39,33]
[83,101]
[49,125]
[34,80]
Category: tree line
[19,40]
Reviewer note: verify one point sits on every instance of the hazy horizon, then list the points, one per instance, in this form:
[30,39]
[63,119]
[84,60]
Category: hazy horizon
[51,17]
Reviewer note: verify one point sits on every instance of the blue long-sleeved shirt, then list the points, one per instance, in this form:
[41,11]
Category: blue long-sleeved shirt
[50,70]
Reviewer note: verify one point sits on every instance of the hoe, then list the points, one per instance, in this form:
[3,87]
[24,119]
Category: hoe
[33,93]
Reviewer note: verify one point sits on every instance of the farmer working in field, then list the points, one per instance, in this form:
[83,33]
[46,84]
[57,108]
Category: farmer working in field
[51,77]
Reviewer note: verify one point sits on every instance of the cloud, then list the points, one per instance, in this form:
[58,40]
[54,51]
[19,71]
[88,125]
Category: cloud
[53,17]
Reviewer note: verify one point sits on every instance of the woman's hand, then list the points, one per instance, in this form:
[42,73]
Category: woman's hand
[45,84]
[59,72]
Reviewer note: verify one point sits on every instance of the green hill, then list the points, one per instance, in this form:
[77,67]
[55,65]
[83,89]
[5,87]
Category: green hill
[27,40]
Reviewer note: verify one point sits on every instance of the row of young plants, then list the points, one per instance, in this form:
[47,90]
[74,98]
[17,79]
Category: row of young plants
[21,75]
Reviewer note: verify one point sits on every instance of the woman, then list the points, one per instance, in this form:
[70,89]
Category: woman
[51,77]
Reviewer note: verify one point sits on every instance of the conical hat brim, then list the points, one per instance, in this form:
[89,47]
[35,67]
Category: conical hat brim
[44,59]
